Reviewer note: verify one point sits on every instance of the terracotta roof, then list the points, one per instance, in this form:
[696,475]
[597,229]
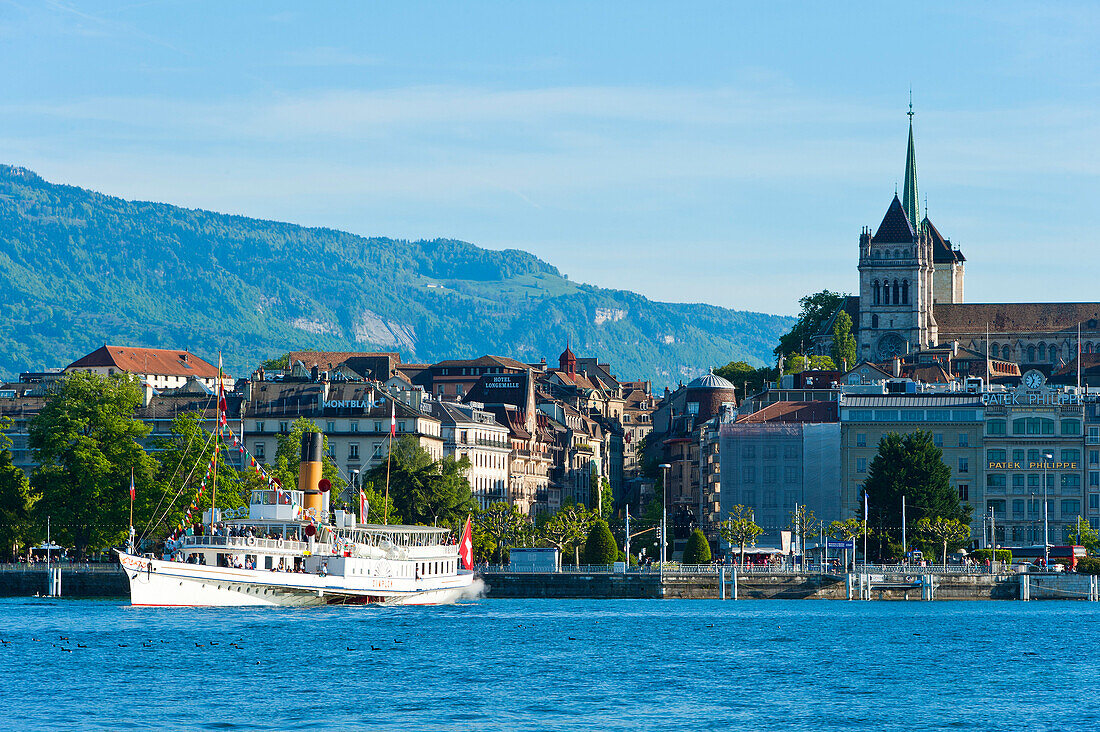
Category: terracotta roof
[148,361]
[329,360]
[504,361]
[972,319]
[794,412]
[895,227]
[1089,362]
[932,373]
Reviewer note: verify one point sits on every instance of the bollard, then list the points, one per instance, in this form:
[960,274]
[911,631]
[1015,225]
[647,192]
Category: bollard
[1025,587]
[848,584]
[733,594]
[721,583]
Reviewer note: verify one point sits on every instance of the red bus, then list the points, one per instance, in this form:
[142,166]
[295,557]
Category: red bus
[1067,556]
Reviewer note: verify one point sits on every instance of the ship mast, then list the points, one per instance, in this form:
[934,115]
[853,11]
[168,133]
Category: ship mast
[217,432]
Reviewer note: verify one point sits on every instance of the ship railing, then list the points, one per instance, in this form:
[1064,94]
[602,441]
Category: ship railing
[248,543]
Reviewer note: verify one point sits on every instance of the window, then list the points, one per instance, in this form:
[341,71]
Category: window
[874,289]
[1033,481]
[1094,479]
[1034,426]
[259,426]
[995,427]
[353,426]
[1018,508]
[860,415]
[1071,508]
[693,407]
[1033,507]
[377,426]
[995,456]
[1018,483]
[997,506]
[332,450]
[769,474]
[1094,503]
[905,292]
[261,449]
[748,451]
[1018,456]
[284,427]
[1071,427]
[1094,457]
[1071,483]
[861,439]
[1033,456]
[964,439]
[1071,456]
[874,321]
[769,452]
[1031,353]
[995,351]
[861,465]
[1094,434]
[937,439]
[790,452]
[886,415]
[964,465]
[790,474]
[939,415]
[353,451]
[964,491]
[995,482]
[330,427]
[748,474]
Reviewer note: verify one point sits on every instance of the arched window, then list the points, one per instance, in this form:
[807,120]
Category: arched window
[1053,354]
[874,321]
[886,292]
[876,254]
[995,351]
[878,297]
[1006,352]
[1042,355]
[1088,348]
[905,292]
[897,292]
[1031,354]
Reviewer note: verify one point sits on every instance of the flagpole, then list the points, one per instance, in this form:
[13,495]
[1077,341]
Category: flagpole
[1078,356]
[131,509]
[389,454]
[217,432]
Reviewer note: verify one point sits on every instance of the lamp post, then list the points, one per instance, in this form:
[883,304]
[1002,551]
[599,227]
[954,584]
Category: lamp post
[1047,456]
[664,526]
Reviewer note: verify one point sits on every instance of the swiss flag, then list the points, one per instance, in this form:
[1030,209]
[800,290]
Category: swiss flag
[362,507]
[466,547]
[393,419]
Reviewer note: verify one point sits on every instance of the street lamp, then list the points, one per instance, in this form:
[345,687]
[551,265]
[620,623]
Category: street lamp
[664,498]
[1047,456]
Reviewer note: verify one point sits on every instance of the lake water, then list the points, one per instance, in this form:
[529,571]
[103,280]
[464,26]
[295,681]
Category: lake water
[553,664]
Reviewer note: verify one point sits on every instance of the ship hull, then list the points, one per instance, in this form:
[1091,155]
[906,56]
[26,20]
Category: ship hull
[158,583]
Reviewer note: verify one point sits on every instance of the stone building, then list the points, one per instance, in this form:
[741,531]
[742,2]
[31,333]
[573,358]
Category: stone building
[472,432]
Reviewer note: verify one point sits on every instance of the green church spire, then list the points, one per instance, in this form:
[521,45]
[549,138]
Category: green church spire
[909,199]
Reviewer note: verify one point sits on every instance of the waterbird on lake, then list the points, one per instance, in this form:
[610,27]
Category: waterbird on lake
[81,645]
[350,648]
[375,649]
[61,637]
[397,641]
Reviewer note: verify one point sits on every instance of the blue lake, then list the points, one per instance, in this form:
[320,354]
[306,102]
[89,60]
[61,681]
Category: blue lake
[553,664]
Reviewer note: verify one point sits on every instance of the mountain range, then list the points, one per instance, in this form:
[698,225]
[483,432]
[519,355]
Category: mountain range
[79,269]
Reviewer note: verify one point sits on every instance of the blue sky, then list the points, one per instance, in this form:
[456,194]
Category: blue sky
[717,152]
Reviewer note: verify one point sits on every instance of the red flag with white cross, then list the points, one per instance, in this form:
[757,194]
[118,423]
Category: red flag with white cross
[466,546]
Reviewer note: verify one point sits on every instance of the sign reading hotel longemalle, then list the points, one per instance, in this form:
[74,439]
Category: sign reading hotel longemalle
[1036,465]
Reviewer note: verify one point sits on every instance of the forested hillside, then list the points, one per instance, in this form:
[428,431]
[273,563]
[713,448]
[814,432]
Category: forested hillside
[79,269]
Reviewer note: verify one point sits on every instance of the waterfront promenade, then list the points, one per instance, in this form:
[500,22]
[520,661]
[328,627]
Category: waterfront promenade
[675,581]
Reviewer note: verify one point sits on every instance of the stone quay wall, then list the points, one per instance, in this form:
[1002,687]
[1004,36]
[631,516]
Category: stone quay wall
[33,580]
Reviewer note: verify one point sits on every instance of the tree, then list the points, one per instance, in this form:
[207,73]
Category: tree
[86,441]
[750,380]
[697,550]
[740,529]
[568,528]
[910,465]
[1081,534]
[502,524]
[422,490]
[600,547]
[848,530]
[844,343]
[378,510]
[804,523]
[816,309]
[946,531]
[797,363]
[288,453]
[16,500]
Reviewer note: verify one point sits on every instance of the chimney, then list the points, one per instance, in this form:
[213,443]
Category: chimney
[897,366]
[309,472]
[314,373]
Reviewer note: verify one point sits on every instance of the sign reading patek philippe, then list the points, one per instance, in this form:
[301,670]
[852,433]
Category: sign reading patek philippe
[1043,398]
[1019,465]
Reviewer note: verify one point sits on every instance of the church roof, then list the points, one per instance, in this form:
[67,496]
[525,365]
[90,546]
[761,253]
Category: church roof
[941,248]
[972,319]
[910,200]
[895,227]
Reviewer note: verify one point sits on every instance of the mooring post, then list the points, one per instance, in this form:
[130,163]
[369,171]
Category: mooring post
[733,591]
[721,583]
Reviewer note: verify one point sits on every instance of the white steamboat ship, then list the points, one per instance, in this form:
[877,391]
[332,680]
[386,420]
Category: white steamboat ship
[279,555]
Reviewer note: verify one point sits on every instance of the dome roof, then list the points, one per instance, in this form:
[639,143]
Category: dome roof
[710,381]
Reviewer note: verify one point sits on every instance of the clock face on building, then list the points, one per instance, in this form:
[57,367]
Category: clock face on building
[1033,379]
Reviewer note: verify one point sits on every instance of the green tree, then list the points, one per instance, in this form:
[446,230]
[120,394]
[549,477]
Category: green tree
[746,378]
[502,524]
[816,309]
[948,532]
[797,363]
[910,465]
[844,343]
[288,453]
[600,547]
[378,510]
[848,530]
[568,529]
[697,550]
[86,441]
[740,529]
[279,363]
[16,500]
[804,523]
[425,491]
[1081,534]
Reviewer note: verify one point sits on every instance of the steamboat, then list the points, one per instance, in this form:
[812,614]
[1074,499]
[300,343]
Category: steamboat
[288,550]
